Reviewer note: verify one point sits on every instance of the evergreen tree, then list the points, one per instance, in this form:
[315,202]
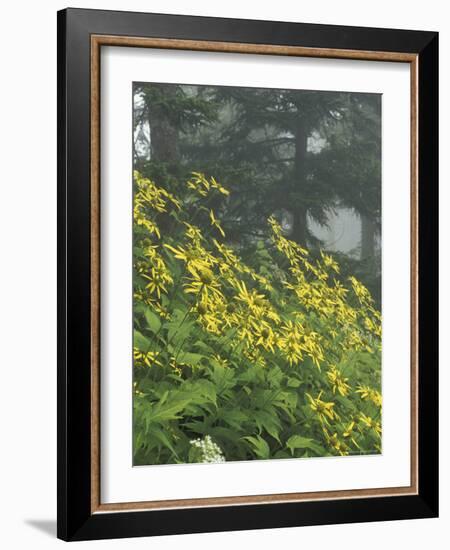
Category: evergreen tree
[296,154]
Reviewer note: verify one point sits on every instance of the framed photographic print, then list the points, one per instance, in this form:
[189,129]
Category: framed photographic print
[247,274]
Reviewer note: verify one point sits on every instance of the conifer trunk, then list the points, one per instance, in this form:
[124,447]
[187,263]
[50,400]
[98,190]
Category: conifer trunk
[300,229]
[163,133]
[367,238]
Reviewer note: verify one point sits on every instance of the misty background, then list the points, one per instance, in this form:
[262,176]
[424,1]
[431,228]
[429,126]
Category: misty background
[311,158]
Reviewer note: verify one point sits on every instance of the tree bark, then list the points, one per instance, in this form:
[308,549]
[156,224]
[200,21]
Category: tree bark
[163,133]
[300,229]
[367,238]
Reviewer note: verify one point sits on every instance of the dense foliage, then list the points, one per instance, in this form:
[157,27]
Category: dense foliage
[244,352]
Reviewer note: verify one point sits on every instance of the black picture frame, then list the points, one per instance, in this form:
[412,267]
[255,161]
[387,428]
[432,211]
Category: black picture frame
[75,518]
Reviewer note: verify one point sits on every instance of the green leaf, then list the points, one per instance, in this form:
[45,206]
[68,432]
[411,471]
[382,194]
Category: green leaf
[207,390]
[189,358]
[196,426]
[179,327]
[163,397]
[345,402]
[203,347]
[299,442]
[168,410]
[268,421]
[220,433]
[223,378]
[253,374]
[293,382]
[259,446]
[282,454]
[274,377]
[161,437]
[153,320]
[141,342]
[234,418]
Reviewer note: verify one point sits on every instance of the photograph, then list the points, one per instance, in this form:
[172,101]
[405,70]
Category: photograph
[247,272]
[257,262]
[231,220]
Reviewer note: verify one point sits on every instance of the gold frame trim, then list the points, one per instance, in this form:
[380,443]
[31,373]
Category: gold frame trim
[97,41]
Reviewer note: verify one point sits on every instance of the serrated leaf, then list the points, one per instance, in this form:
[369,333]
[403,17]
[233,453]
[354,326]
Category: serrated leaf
[153,320]
[293,382]
[223,378]
[269,422]
[189,358]
[300,442]
[168,410]
[208,390]
[203,346]
[234,418]
[179,327]
[274,376]
[141,342]
[259,446]
[159,435]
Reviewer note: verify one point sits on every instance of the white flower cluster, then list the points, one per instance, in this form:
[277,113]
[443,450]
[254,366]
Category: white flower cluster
[210,451]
